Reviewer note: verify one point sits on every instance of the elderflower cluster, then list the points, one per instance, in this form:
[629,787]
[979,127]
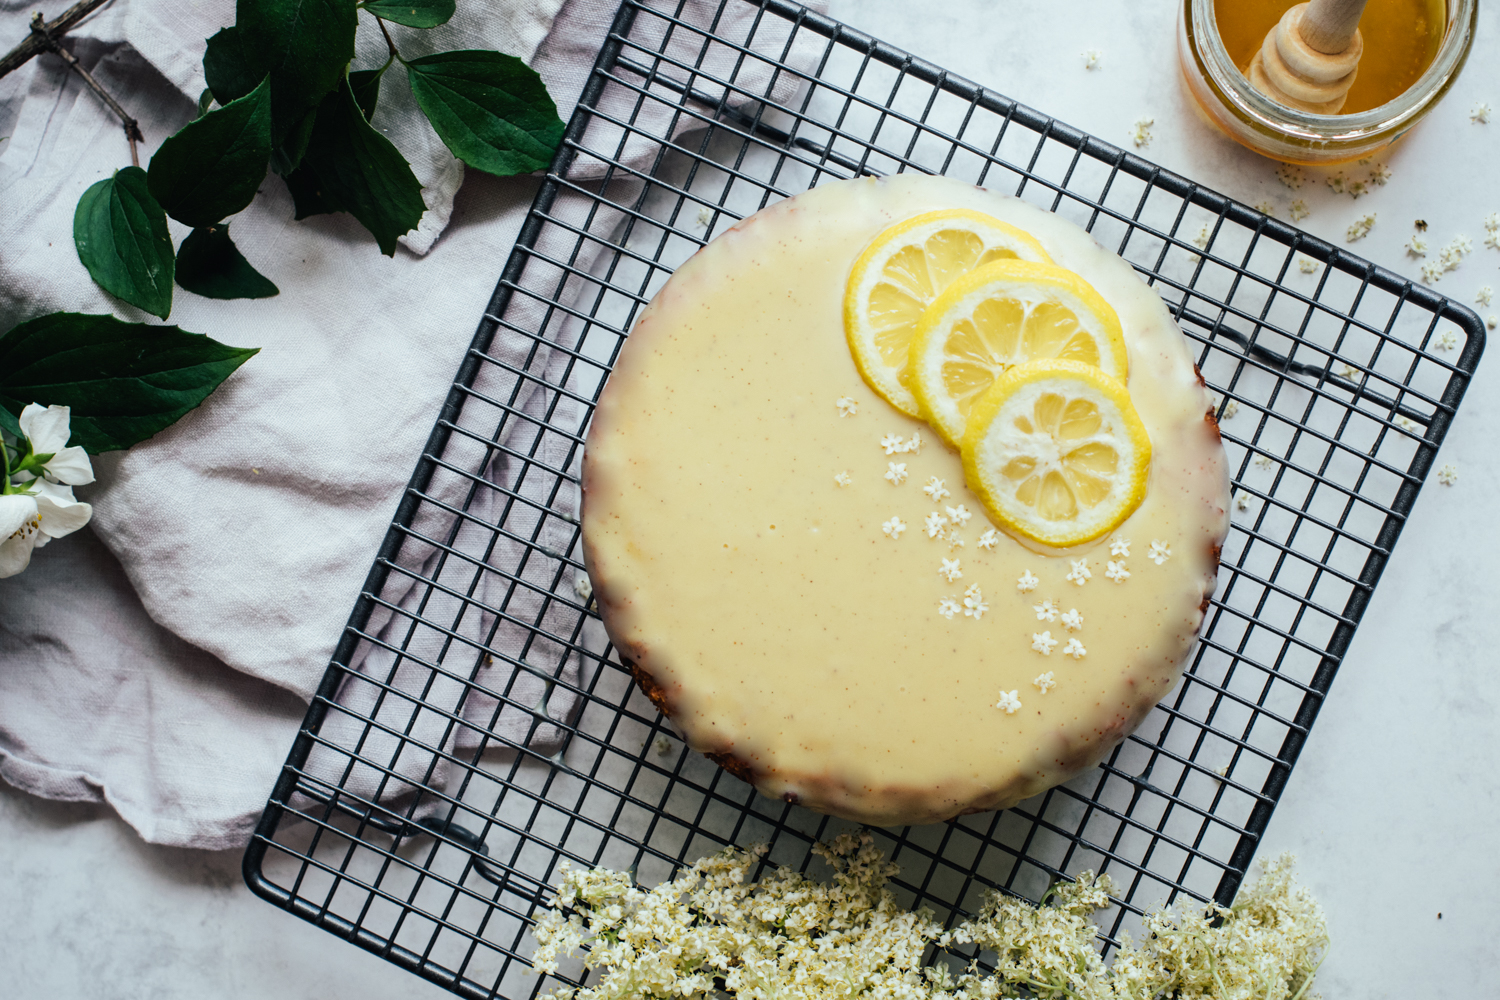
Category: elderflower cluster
[713,931]
[38,470]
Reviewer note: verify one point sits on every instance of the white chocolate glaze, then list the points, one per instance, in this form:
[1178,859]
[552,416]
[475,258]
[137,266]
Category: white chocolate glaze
[762,604]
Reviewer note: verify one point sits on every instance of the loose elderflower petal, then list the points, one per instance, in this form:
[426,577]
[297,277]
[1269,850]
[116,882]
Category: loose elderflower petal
[892,443]
[948,607]
[1448,474]
[1298,210]
[950,570]
[1026,583]
[988,540]
[1446,341]
[934,524]
[1160,551]
[1044,682]
[1043,642]
[1091,58]
[847,407]
[1483,296]
[1140,131]
[1072,620]
[1119,547]
[1116,571]
[936,489]
[1479,114]
[1360,229]
[958,515]
[1009,702]
[895,472]
[842,478]
[893,527]
[1075,649]
[1045,611]
[1080,573]
[974,606]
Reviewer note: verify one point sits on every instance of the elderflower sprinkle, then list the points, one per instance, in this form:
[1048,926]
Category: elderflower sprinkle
[1265,461]
[958,515]
[1360,229]
[936,489]
[1480,113]
[1119,547]
[893,527]
[1080,572]
[948,607]
[1043,642]
[847,407]
[950,570]
[1449,257]
[1298,210]
[1026,583]
[1380,174]
[1483,296]
[705,217]
[1264,207]
[954,539]
[1416,246]
[1230,409]
[1140,131]
[713,929]
[842,479]
[1009,702]
[1044,682]
[974,606]
[1201,240]
[893,444]
[1448,474]
[583,587]
[1091,58]
[934,524]
[1492,321]
[1307,265]
[1290,175]
[1116,571]
[1072,620]
[1446,341]
[1075,649]
[663,746]
[1242,500]
[988,540]
[1160,551]
[1045,611]
[1407,424]
[895,472]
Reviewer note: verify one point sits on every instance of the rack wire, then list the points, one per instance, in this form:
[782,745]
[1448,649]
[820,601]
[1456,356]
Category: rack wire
[474,728]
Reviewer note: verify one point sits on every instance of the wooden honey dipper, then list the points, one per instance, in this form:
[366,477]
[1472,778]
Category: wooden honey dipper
[1309,60]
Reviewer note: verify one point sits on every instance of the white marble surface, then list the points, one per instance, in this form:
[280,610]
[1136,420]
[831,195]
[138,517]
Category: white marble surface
[1394,805]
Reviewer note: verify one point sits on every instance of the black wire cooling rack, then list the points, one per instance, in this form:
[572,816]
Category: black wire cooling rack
[474,727]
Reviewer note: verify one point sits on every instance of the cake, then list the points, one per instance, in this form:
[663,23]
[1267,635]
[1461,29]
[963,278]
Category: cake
[798,575]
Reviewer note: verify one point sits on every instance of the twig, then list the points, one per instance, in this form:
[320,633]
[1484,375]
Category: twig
[389,43]
[34,45]
[40,29]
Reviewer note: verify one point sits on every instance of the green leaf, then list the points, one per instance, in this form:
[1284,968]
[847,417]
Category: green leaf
[205,101]
[491,110]
[209,264]
[121,235]
[412,13]
[10,423]
[357,168]
[305,45]
[366,86]
[288,156]
[308,196]
[232,69]
[213,166]
[123,381]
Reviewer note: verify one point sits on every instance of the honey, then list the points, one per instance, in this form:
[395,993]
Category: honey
[1401,38]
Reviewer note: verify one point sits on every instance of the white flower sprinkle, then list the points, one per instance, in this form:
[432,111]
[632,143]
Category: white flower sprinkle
[1046,611]
[1242,500]
[950,570]
[974,606]
[958,515]
[1119,547]
[936,489]
[705,217]
[1449,257]
[1009,703]
[1416,246]
[1307,265]
[1492,321]
[955,540]
[1265,461]
[847,407]
[1290,175]
[1043,642]
[1026,583]
[1264,207]
[914,444]
[1480,113]
[988,540]
[893,527]
[1160,552]
[583,587]
[1380,175]
[1075,649]
[842,478]
[1140,131]
[1360,229]
[1044,682]
[1408,424]
[934,524]
[1072,620]
[892,443]
[895,472]
[1204,235]
[1298,210]
[948,607]
[1446,341]
[1230,409]
[663,746]
[1091,58]
[1448,474]
[1482,298]
[1080,572]
[1116,571]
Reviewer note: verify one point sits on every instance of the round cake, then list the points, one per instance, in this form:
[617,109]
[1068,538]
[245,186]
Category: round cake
[798,575]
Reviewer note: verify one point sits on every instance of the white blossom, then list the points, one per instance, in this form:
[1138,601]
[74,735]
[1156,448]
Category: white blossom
[950,570]
[1072,620]
[936,489]
[1043,642]
[895,472]
[1045,611]
[1116,571]
[1080,572]
[974,606]
[893,527]
[36,489]
[28,521]
[948,607]
[1026,582]
[842,478]
[47,430]
[958,515]
[892,444]
[1009,703]
[988,540]
[1044,682]
[1075,649]
[847,407]
[1448,474]
[1119,547]
[1160,551]
[934,523]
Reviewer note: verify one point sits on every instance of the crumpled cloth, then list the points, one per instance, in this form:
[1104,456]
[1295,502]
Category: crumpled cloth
[165,670]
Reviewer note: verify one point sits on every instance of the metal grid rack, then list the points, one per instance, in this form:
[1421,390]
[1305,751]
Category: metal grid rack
[474,728]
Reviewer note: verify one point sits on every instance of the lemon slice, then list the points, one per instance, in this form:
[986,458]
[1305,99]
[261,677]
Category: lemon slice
[1056,452]
[902,271]
[1005,314]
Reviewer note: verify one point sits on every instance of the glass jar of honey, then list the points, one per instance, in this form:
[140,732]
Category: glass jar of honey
[1413,52]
